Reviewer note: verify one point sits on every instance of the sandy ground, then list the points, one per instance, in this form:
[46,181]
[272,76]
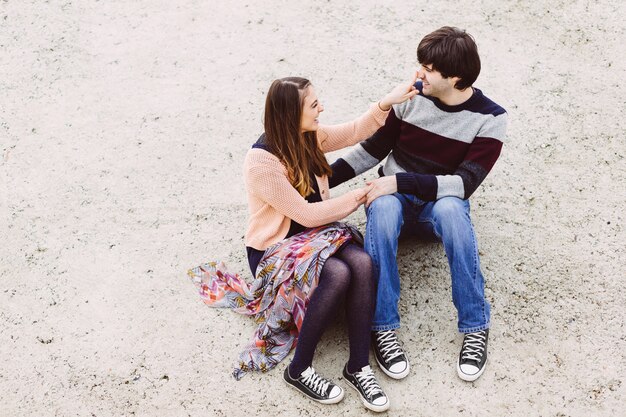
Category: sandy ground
[123,129]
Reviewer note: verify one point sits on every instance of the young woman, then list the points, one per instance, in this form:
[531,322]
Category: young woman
[304,264]
[287,182]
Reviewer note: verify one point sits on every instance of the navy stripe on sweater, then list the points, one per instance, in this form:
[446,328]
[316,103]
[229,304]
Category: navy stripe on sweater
[342,172]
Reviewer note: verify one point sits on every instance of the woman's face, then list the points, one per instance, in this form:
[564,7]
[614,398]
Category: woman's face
[311,109]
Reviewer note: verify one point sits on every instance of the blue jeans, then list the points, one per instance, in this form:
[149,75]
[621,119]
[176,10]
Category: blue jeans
[446,220]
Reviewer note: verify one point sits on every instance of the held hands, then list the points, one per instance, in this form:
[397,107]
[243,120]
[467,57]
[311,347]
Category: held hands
[362,199]
[379,187]
[400,94]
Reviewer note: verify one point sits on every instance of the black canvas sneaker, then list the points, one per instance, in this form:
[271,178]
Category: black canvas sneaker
[314,386]
[473,356]
[389,354]
[365,383]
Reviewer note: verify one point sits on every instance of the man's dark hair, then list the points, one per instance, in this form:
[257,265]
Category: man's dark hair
[453,53]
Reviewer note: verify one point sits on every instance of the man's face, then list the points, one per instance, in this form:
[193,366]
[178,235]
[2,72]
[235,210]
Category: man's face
[433,83]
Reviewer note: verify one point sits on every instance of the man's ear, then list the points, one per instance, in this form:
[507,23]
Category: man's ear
[453,81]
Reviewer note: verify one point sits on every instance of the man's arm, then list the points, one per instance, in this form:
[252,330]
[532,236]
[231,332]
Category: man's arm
[366,154]
[479,159]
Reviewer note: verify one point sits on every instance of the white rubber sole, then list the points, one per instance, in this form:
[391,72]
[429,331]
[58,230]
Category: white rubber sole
[469,378]
[329,401]
[401,375]
[376,408]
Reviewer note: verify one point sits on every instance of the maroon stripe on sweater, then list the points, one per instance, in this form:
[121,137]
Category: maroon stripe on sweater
[484,152]
[430,146]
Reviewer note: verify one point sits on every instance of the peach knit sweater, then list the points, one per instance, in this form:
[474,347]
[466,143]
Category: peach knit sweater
[273,201]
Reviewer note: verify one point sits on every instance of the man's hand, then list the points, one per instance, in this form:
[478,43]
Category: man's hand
[381,186]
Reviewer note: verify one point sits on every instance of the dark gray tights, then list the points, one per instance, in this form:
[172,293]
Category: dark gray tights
[348,273]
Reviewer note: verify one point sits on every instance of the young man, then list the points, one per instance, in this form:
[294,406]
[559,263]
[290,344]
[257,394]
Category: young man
[439,146]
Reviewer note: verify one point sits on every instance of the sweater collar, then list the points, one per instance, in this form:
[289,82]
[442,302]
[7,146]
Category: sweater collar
[467,104]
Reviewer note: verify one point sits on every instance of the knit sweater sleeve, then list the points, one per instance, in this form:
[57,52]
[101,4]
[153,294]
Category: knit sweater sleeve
[266,178]
[334,137]
[367,154]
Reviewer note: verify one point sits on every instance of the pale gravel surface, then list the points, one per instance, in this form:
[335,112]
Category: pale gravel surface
[123,128]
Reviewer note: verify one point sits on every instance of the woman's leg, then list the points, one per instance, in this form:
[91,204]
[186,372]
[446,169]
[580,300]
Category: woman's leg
[334,281]
[360,301]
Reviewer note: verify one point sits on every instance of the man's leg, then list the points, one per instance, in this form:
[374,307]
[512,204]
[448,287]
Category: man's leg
[384,223]
[450,217]
[451,223]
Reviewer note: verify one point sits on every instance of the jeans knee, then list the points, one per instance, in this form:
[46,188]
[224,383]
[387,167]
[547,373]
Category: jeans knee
[449,210]
[452,220]
[384,216]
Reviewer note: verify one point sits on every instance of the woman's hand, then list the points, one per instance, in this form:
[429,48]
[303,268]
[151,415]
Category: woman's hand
[400,94]
[379,187]
[364,190]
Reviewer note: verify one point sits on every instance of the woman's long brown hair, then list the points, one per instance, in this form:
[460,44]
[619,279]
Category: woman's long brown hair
[298,151]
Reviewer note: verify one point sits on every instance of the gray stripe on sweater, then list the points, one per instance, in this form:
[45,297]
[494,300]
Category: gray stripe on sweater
[450,186]
[360,160]
[495,128]
[463,126]
[391,167]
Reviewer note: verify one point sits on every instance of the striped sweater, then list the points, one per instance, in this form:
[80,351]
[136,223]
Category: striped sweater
[276,208]
[433,149]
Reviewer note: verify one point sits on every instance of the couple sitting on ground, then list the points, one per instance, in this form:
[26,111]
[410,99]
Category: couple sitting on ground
[441,137]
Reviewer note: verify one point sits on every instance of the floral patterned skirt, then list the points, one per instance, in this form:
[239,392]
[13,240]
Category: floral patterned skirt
[278,297]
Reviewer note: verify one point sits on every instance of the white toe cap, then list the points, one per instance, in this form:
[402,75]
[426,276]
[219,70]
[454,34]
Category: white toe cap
[380,401]
[468,369]
[398,367]
[335,392]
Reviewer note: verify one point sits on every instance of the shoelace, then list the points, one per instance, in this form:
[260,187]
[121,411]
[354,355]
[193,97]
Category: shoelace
[312,380]
[388,345]
[368,381]
[473,346]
